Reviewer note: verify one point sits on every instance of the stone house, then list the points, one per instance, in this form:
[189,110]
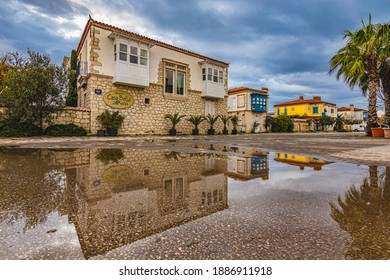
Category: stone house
[251,106]
[145,79]
[353,114]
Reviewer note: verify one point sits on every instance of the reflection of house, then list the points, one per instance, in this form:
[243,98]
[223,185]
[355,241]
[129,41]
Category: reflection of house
[145,79]
[353,114]
[312,108]
[144,193]
[248,167]
[250,105]
[300,160]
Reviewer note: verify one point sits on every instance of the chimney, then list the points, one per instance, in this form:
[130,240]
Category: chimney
[317,97]
[351,107]
[301,97]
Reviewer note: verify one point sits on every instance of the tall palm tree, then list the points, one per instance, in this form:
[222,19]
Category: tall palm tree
[384,71]
[358,61]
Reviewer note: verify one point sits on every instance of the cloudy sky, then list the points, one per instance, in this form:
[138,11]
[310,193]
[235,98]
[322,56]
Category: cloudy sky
[279,44]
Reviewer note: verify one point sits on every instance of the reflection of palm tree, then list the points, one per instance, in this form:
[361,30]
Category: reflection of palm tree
[365,215]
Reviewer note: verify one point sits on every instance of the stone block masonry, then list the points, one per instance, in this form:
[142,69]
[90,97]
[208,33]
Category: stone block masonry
[142,118]
[78,116]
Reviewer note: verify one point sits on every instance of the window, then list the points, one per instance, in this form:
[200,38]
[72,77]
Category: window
[209,74]
[240,101]
[315,109]
[215,76]
[136,55]
[175,79]
[144,57]
[285,111]
[133,55]
[123,52]
[169,81]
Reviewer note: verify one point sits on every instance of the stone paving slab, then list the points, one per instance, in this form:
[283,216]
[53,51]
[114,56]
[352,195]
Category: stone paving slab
[352,147]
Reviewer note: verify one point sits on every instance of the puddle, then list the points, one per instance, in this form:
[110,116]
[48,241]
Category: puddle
[236,203]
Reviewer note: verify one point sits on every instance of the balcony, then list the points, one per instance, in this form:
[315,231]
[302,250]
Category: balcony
[82,69]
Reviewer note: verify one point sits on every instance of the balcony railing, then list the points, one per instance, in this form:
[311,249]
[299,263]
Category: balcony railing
[82,68]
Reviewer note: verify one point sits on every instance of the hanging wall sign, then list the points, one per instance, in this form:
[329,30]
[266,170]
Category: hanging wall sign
[118,99]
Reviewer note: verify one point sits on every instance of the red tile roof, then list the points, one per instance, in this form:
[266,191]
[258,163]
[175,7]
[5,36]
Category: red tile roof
[92,22]
[240,89]
[303,101]
[341,109]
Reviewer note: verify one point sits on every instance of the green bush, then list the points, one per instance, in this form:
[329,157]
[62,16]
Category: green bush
[12,128]
[282,124]
[65,130]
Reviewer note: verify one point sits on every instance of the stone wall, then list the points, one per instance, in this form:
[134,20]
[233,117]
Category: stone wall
[77,116]
[143,118]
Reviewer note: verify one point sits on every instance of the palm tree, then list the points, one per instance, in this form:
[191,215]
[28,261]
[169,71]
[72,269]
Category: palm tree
[358,63]
[175,119]
[384,71]
[211,119]
[196,120]
[234,122]
[224,119]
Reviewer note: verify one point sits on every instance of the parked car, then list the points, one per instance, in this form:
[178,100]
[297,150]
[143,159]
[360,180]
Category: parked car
[358,127]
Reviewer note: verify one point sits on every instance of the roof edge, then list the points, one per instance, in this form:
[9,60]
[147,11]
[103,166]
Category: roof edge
[92,22]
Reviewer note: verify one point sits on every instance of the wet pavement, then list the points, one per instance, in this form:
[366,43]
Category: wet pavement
[164,199]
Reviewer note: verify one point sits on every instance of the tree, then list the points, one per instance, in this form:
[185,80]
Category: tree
[326,121]
[71,97]
[338,123]
[34,89]
[358,62]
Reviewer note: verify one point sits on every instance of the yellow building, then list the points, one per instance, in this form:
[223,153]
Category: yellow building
[313,108]
[300,160]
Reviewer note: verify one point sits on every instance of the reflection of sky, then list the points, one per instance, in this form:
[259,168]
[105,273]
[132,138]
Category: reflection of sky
[334,178]
[36,243]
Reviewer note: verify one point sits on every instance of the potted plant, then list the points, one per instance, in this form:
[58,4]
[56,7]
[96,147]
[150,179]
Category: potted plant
[110,121]
[211,119]
[234,122]
[377,131]
[175,119]
[386,132]
[224,120]
[195,120]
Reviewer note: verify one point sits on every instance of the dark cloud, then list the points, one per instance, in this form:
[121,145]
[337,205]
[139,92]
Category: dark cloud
[61,8]
[283,45]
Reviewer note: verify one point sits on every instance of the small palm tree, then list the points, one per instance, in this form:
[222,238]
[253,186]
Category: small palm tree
[234,122]
[196,120]
[211,119]
[224,120]
[175,119]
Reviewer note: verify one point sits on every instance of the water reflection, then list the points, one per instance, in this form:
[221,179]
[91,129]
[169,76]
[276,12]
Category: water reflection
[112,196]
[18,199]
[301,161]
[98,200]
[364,215]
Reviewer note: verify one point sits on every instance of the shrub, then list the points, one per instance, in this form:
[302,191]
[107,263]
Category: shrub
[13,128]
[65,130]
[282,124]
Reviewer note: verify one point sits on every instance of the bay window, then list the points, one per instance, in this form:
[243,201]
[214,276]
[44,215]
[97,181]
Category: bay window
[213,75]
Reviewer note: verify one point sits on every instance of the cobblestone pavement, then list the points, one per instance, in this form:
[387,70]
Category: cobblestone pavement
[352,147]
